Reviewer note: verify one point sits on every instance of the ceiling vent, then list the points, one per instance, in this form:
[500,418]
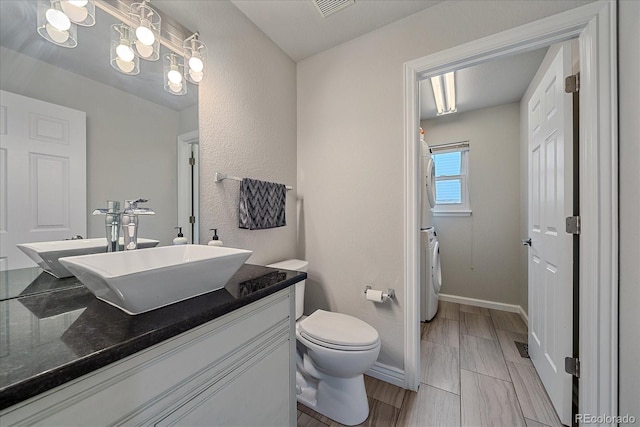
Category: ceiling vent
[329,7]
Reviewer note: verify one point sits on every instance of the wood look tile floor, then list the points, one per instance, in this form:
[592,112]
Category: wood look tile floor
[471,374]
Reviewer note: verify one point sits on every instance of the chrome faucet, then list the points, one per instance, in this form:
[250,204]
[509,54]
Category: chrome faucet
[127,219]
[130,222]
[112,222]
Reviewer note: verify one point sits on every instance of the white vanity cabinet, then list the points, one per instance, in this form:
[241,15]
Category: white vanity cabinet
[235,370]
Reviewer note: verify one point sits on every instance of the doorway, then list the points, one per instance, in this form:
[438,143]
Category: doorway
[188,185]
[594,25]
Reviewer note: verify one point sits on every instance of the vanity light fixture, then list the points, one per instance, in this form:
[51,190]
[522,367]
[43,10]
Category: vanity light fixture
[195,56]
[82,12]
[173,74]
[444,93]
[147,31]
[137,36]
[54,25]
[123,58]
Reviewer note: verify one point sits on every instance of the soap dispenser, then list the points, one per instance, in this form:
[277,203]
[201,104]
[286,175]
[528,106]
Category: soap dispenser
[215,241]
[180,239]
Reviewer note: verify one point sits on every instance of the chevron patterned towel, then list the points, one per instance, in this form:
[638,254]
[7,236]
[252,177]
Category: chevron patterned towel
[262,204]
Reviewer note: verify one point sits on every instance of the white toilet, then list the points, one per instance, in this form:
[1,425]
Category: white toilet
[333,352]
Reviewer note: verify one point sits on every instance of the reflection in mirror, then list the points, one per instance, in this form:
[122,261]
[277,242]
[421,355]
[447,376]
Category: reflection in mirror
[24,282]
[133,130]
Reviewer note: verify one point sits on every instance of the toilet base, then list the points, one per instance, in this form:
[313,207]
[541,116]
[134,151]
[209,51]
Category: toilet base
[342,399]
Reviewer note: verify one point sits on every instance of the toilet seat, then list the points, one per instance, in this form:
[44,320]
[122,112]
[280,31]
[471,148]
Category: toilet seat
[338,331]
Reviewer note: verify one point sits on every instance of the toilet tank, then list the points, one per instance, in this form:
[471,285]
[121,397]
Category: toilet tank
[295,265]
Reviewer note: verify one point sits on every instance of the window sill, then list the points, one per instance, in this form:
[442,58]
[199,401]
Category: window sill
[452,213]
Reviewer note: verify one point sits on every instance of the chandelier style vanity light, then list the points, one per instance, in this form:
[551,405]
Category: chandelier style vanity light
[146,22]
[55,25]
[138,35]
[123,58]
[195,55]
[173,74]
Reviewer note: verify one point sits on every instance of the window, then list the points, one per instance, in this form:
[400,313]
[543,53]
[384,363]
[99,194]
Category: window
[452,193]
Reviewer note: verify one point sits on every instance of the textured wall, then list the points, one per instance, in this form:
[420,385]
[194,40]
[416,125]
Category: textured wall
[247,123]
[350,154]
[131,142]
[629,70]
[480,253]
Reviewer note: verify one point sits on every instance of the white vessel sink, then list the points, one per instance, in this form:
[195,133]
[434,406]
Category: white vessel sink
[47,254]
[142,280]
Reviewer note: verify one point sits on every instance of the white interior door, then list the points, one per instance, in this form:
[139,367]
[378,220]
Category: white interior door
[551,255]
[43,175]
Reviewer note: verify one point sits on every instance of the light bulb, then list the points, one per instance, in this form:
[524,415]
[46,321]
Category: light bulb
[144,33]
[126,66]
[196,64]
[74,12]
[450,91]
[175,87]
[196,76]
[174,76]
[58,19]
[124,52]
[57,35]
[144,50]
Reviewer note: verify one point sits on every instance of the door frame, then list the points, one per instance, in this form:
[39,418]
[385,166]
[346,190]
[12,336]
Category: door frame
[595,26]
[186,144]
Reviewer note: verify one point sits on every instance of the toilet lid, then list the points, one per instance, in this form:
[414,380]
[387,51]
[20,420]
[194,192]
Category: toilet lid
[340,331]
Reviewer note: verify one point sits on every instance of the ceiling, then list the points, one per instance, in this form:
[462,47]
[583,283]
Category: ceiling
[90,58]
[297,27]
[489,84]
[294,25]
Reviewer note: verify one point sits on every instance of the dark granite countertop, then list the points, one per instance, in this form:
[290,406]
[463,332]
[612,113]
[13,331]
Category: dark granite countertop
[29,281]
[61,331]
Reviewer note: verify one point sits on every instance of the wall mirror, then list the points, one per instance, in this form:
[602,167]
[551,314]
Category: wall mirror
[134,128]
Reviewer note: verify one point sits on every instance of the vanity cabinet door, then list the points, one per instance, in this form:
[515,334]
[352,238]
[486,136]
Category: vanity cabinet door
[253,395]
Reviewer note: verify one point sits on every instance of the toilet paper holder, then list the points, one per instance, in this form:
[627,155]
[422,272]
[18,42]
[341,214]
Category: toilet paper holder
[385,295]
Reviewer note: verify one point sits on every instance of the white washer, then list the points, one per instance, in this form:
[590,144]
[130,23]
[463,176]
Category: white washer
[427,184]
[431,275]
[425,271]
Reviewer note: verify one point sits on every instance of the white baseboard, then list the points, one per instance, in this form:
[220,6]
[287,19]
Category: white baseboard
[487,304]
[524,316]
[387,373]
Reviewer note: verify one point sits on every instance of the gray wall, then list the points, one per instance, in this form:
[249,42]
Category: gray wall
[629,102]
[131,142]
[480,253]
[247,123]
[189,119]
[350,154]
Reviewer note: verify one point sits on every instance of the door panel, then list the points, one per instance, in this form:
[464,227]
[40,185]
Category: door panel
[550,254]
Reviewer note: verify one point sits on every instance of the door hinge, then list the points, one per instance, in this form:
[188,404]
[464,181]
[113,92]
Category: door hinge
[572,83]
[572,366]
[192,161]
[573,225]
[192,219]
